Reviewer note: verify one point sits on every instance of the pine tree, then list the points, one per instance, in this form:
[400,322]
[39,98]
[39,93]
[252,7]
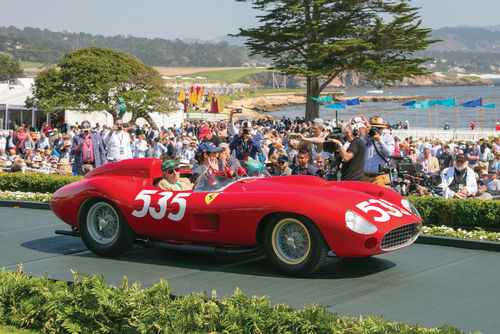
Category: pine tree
[321,39]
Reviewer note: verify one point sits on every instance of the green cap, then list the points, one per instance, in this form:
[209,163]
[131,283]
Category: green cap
[169,164]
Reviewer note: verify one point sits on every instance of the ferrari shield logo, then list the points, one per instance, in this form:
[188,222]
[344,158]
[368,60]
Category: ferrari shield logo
[210,197]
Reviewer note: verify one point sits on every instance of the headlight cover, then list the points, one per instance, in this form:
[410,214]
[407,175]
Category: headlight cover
[408,206]
[358,224]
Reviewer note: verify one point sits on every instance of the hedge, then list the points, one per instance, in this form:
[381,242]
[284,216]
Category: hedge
[90,306]
[39,183]
[459,213]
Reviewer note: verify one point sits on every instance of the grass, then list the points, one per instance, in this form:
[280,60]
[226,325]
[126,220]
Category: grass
[5,329]
[227,76]
[31,64]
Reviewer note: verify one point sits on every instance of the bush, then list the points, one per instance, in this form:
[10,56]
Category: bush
[458,213]
[39,183]
[89,306]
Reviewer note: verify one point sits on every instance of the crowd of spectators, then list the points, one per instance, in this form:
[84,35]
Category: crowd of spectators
[285,146]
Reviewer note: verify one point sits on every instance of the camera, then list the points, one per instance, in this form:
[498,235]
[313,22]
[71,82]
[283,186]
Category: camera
[407,178]
[372,132]
[338,134]
[245,131]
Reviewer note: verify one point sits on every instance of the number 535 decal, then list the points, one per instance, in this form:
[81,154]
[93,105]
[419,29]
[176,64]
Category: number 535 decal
[384,208]
[163,203]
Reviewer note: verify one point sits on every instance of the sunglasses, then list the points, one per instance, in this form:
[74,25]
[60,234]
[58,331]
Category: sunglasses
[170,171]
[85,126]
[282,162]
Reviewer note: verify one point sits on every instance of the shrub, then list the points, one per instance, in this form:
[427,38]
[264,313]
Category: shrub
[458,213]
[40,183]
[90,306]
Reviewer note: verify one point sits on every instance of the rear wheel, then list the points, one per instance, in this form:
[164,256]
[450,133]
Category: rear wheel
[104,230]
[295,245]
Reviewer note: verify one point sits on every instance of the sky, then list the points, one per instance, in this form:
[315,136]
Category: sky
[197,19]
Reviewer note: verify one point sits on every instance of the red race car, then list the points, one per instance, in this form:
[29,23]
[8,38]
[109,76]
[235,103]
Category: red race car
[296,219]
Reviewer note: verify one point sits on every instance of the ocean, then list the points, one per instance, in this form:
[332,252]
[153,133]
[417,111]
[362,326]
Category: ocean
[395,113]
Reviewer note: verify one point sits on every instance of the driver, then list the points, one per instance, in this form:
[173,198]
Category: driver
[171,177]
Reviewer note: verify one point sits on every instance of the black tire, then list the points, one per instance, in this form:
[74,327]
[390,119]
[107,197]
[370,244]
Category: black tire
[294,244]
[103,228]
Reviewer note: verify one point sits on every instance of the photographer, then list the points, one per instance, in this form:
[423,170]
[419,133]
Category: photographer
[313,142]
[118,142]
[88,150]
[378,146]
[244,145]
[353,159]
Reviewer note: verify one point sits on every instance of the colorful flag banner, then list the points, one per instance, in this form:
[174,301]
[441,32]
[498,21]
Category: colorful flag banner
[490,106]
[335,106]
[445,103]
[472,103]
[409,103]
[420,105]
[353,102]
[327,99]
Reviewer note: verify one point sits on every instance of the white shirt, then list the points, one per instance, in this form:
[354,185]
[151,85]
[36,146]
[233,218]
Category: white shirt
[141,147]
[3,143]
[118,145]
[447,176]
[484,156]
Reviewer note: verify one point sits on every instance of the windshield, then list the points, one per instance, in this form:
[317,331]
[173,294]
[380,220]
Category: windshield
[212,182]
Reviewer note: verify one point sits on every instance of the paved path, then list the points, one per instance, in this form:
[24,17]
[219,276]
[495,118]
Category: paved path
[428,285]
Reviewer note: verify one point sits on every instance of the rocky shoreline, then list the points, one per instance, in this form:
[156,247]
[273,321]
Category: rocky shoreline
[256,107]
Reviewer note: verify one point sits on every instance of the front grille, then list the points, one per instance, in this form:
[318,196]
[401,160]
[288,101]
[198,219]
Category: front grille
[400,237]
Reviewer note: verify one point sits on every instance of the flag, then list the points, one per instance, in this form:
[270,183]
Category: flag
[220,107]
[472,103]
[336,106]
[327,99]
[445,103]
[255,164]
[409,103]
[353,102]
[490,106]
[419,105]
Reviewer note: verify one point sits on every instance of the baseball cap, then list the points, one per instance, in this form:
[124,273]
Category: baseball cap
[282,158]
[169,164]
[223,145]
[461,157]
[208,147]
[204,131]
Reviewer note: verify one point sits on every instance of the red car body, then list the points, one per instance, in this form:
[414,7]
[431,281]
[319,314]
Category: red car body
[236,215]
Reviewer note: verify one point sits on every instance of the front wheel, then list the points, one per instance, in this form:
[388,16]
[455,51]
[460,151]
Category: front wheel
[295,245]
[104,230]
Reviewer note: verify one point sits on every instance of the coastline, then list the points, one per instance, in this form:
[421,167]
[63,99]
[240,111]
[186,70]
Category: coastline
[257,106]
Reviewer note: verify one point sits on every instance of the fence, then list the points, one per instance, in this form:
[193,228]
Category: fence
[458,134]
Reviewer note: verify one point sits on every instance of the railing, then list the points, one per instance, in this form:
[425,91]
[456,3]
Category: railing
[458,134]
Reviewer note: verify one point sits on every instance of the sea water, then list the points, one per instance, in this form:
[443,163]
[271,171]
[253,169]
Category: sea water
[395,113]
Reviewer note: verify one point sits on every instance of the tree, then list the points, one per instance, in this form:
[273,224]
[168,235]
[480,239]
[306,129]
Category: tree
[94,78]
[321,39]
[9,69]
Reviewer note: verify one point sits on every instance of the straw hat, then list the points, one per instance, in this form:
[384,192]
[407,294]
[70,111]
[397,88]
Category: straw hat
[377,122]
[66,143]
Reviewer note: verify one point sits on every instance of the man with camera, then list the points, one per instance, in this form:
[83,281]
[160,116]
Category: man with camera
[118,142]
[378,147]
[353,159]
[88,150]
[244,145]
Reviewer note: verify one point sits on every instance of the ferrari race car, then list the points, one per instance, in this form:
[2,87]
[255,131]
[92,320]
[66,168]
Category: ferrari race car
[297,220]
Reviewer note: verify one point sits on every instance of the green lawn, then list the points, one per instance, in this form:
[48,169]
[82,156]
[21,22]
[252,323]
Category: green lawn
[31,64]
[227,76]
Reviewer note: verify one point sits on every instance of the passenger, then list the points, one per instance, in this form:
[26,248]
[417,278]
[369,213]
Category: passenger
[171,177]
[208,155]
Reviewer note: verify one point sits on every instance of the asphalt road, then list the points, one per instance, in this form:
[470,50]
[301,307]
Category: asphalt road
[424,284]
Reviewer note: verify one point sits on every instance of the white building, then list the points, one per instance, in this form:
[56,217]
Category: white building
[13,110]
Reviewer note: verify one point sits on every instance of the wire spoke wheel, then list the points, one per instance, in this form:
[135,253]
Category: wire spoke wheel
[291,241]
[103,223]
[294,244]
